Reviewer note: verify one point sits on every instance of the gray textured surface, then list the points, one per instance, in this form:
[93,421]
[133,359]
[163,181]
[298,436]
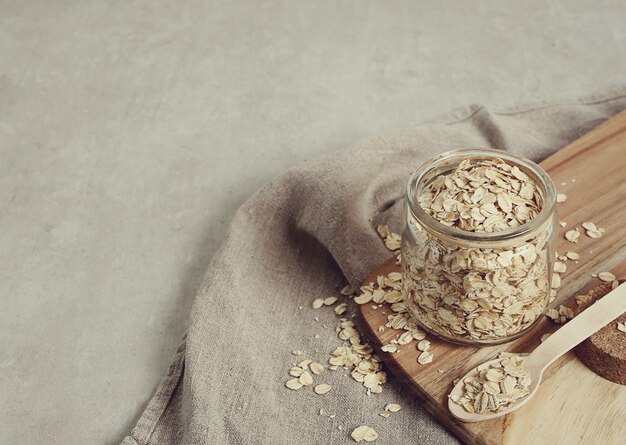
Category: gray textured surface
[131,131]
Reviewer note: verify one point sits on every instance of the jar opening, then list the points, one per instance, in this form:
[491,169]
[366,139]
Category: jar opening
[445,162]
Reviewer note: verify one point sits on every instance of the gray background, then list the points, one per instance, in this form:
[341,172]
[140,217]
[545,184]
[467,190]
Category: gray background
[130,131]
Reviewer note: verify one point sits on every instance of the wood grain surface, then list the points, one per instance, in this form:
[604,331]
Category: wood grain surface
[573,405]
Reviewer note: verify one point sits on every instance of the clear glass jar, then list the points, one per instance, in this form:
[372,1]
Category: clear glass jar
[477,288]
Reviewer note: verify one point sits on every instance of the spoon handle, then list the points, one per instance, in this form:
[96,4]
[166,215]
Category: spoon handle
[599,314]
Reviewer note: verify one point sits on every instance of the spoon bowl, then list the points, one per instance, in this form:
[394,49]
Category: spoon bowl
[460,413]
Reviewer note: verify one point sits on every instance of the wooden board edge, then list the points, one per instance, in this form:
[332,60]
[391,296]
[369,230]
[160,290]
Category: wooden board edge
[613,125]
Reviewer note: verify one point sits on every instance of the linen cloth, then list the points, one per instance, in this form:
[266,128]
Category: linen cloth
[301,237]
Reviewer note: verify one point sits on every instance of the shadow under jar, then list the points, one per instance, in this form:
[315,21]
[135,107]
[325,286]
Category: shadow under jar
[477,259]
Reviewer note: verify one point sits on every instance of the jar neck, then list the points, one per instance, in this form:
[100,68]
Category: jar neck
[448,161]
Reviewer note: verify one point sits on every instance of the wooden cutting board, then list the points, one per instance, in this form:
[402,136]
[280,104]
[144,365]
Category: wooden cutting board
[573,405]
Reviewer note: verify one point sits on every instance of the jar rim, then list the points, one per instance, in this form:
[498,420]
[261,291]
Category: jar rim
[542,177]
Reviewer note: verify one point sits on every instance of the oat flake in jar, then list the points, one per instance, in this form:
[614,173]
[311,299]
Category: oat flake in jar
[478,245]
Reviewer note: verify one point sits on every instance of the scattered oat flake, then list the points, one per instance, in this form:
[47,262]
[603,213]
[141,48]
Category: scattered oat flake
[304,364]
[385,414]
[391,240]
[559,267]
[567,312]
[383,230]
[317,303]
[364,298]
[364,432]
[392,407]
[340,309]
[330,301]
[296,371]
[395,276]
[293,384]
[561,315]
[621,326]
[405,338]
[561,197]
[296,352]
[423,345]
[305,379]
[417,334]
[572,255]
[316,368]
[572,235]
[347,290]
[393,243]
[562,223]
[322,388]
[606,276]
[424,358]
[393,296]
[594,233]
[592,230]
[589,225]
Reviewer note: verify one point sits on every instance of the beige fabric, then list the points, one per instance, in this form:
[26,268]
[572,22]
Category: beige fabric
[299,238]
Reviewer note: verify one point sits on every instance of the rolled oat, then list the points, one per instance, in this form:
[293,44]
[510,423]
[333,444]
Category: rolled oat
[364,432]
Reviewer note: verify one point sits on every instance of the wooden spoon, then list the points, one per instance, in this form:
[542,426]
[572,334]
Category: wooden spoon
[575,331]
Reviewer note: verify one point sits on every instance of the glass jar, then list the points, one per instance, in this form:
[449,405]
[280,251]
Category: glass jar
[470,287]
